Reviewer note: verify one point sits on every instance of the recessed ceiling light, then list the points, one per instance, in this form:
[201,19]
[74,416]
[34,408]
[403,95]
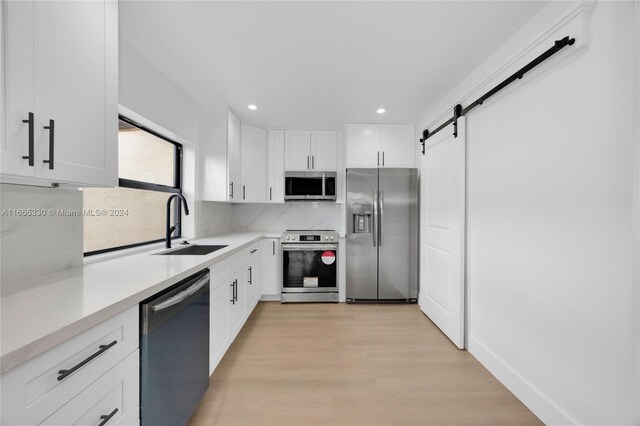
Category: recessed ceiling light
[381,110]
[252,107]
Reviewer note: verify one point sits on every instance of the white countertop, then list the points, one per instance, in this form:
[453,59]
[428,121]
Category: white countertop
[53,308]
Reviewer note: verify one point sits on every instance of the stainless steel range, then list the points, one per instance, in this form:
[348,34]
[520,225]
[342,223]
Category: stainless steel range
[309,266]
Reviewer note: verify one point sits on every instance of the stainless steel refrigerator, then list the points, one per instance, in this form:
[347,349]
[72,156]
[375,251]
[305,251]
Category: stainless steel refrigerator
[382,235]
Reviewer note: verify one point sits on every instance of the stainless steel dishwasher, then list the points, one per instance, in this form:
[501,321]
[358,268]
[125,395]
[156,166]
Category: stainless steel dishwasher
[174,352]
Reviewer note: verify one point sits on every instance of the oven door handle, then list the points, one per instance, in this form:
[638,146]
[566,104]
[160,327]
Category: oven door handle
[308,247]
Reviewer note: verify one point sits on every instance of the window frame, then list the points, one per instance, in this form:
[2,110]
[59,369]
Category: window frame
[148,186]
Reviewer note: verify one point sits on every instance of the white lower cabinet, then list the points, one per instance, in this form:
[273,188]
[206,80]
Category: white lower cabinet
[271,266]
[110,400]
[221,294]
[253,282]
[47,387]
[234,293]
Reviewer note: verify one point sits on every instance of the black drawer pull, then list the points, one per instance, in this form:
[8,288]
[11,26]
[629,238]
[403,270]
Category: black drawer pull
[51,129]
[250,276]
[105,418]
[31,139]
[233,293]
[63,374]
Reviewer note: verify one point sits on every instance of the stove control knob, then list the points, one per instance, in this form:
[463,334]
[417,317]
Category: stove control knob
[326,238]
[332,238]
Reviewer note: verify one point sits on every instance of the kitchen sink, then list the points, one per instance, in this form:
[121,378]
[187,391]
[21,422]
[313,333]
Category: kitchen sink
[192,250]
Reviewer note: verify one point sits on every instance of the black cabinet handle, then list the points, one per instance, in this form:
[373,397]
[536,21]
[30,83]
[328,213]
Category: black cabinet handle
[51,129]
[274,248]
[63,374]
[313,161]
[307,161]
[235,290]
[233,293]
[250,276]
[231,194]
[105,418]
[31,139]
[244,192]
[270,194]
[378,158]
[383,158]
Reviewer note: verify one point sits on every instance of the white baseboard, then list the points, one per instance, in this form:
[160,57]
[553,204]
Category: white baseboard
[526,392]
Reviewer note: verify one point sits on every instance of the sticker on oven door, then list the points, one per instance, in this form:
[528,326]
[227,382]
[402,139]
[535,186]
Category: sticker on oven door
[328,257]
[310,282]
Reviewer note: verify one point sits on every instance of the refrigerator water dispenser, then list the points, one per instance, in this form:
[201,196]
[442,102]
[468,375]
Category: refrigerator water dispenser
[362,218]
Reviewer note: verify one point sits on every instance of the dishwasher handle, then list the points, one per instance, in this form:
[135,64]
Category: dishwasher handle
[174,300]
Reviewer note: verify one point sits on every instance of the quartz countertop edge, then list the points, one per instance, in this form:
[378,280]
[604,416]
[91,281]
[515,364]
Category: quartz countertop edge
[54,308]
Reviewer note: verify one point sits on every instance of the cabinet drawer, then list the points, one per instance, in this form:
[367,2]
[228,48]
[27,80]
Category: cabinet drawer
[231,265]
[110,400]
[34,390]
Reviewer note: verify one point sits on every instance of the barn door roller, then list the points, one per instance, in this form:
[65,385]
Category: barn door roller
[458,111]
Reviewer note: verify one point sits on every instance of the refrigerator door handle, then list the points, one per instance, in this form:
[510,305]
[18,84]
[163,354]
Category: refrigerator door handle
[381,215]
[375,218]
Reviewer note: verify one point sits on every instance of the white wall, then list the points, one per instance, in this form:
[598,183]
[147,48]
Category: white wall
[280,217]
[34,245]
[552,217]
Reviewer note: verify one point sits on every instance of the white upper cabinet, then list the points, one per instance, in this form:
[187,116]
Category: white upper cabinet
[275,168]
[324,150]
[253,164]
[363,145]
[398,145]
[61,103]
[297,148]
[234,192]
[381,145]
[311,150]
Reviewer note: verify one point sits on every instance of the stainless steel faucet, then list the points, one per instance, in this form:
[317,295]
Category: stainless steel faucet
[170,228]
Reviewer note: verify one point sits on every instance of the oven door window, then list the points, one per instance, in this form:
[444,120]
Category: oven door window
[309,270]
[301,186]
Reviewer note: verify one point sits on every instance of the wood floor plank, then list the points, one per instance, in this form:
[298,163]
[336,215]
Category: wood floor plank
[338,364]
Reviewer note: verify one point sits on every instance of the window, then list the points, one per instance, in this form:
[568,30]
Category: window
[133,213]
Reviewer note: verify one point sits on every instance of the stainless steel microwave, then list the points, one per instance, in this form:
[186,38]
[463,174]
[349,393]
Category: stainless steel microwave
[310,186]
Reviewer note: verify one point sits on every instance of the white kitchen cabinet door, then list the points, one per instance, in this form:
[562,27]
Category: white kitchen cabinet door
[18,91]
[275,179]
[398,145]
[219,317]
[297,148]
[253,163]
[233,158]
[270,267]
[442,236]
[237,308]
[324,150]
[253,275]
[76,91]
[363,145]
[69,84]
[115,395]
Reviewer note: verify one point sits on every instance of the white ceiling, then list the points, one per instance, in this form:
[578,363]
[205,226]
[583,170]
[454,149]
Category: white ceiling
[318,64]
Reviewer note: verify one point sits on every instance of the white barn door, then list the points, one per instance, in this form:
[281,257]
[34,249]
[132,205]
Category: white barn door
[442,232]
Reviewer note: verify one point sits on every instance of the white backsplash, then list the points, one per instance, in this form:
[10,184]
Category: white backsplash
[280,217]
[213,218]
[36,245]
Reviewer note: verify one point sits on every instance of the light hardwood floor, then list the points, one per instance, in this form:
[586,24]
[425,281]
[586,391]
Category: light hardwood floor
[328,364]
